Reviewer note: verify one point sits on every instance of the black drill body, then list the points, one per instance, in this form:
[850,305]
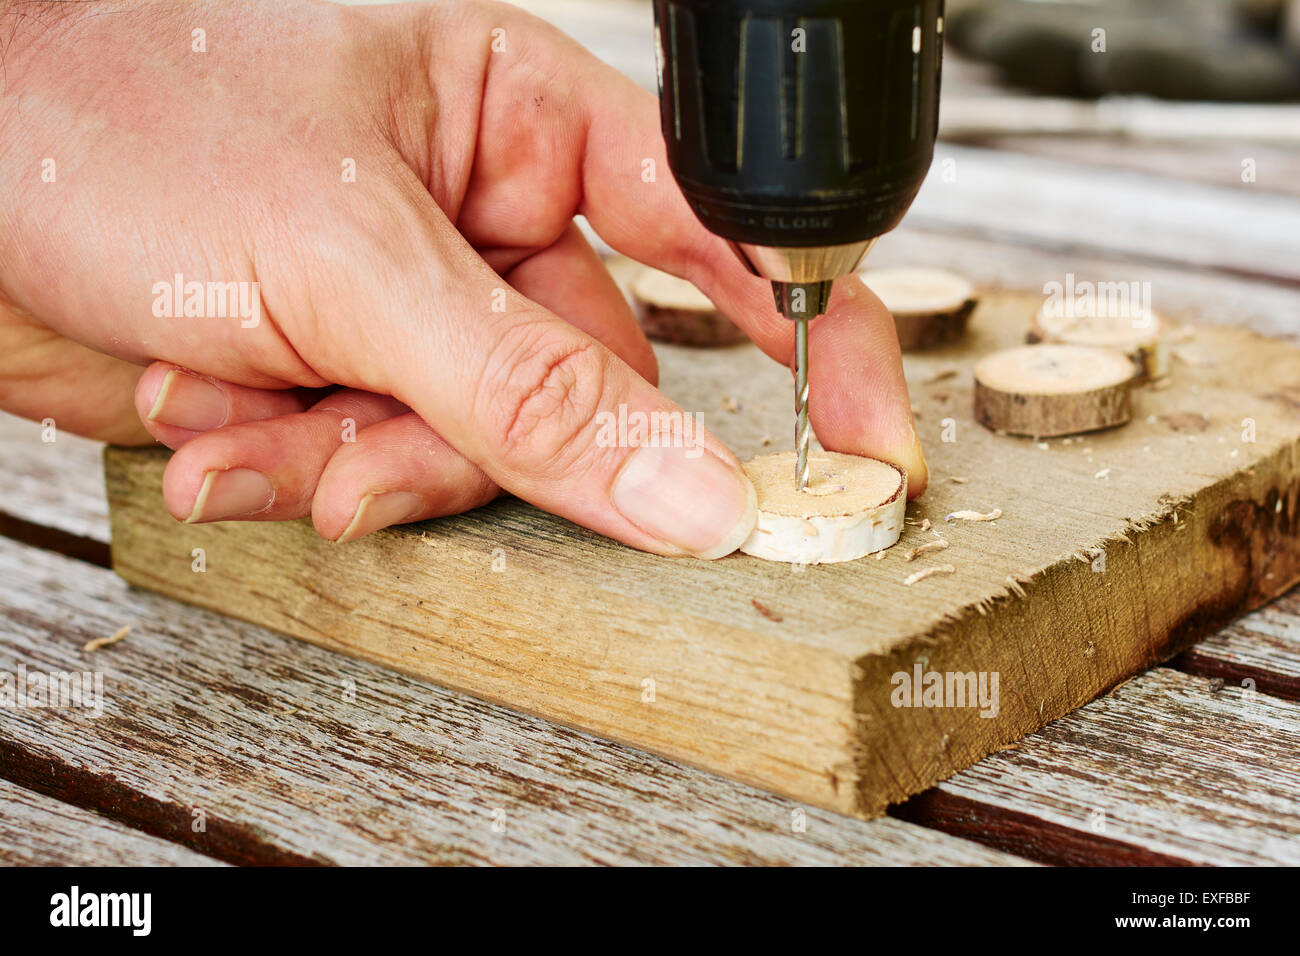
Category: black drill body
[800,130]
[799,124]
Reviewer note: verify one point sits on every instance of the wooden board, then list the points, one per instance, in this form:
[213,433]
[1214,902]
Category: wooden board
[295,755]
[1195,526]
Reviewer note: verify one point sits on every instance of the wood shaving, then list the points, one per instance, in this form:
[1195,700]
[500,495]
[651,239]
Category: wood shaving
[925,525]
[823,490]
[958,480]
[113,638]
[766,611]
[938,544]
[929,572]
[993,515]
[1104,473]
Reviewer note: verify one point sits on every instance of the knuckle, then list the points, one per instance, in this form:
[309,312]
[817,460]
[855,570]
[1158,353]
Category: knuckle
[542,393]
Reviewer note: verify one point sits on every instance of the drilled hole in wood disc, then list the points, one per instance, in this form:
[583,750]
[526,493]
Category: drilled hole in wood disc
[853,507]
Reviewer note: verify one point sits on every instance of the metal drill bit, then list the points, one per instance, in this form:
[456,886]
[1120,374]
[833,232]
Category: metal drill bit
[801,403]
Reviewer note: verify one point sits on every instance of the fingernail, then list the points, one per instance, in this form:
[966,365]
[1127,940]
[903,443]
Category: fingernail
[185,401]
[381,509]
[236,493]
[701,505]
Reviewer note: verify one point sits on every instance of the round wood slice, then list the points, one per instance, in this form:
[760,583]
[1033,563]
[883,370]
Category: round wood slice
[852,507]
[1049,390]
[1139,337]
[672,310]
[930,306]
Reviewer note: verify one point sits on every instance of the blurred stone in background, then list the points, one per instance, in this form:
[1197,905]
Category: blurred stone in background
[1226,50]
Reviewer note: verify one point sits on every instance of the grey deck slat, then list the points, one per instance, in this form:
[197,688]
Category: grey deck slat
[256,730]
[1259,652]
[1164,762]
[1036,200]
[58,485]
[36,830]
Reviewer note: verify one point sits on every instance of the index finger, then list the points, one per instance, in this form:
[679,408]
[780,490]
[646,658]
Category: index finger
[858,398]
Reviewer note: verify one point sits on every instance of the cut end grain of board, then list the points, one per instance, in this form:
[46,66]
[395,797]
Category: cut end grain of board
[930,306]
[853,507]
[1045,391]
[673,310]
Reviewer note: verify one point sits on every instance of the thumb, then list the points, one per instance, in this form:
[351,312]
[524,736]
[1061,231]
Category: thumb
[551,414]
[556,418]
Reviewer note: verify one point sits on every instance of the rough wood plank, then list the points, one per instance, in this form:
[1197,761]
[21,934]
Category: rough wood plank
[36,830]
[1166,763]
[1194,528]
[298,755]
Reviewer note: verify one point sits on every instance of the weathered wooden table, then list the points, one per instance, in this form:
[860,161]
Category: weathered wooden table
[221,742]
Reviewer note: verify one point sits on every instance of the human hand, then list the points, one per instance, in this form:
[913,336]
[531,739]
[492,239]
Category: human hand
[475,334]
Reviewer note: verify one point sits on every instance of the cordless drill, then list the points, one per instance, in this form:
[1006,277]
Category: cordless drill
[800,131]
